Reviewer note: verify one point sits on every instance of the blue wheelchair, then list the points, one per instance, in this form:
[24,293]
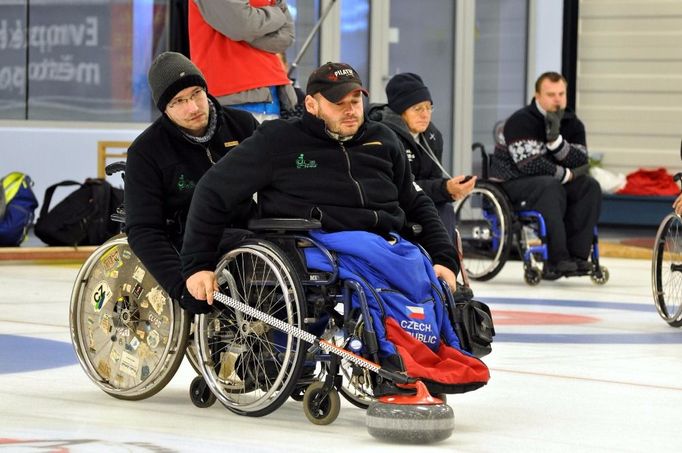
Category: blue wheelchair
[490,230]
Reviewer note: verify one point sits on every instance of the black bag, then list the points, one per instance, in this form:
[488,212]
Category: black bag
[83,217]
[474,327]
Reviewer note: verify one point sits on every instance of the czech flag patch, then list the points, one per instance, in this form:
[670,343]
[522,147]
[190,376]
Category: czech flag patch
[416,312]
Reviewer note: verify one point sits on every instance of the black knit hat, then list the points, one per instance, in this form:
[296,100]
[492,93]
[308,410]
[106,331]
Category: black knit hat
[334,81]
[405,90]
[170,73]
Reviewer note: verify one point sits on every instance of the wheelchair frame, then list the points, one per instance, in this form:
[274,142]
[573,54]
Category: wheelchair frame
[252,367]
[489,226]
[260,273]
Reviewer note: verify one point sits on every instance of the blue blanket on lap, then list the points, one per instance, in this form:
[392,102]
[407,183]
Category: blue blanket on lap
[399,283]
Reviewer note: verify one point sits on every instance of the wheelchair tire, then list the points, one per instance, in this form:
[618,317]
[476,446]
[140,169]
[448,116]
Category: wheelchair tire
[128,334]
[666,270]
[200,393]
[601,277]
[484,221]
[532,276]
[251,367]
[191,353]
[321,407]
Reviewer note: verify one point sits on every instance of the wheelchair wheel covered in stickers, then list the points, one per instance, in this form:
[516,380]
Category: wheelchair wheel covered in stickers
[129,336]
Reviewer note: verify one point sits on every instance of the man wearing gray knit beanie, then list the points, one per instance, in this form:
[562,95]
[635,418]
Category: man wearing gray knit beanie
[166,161]
[408,114]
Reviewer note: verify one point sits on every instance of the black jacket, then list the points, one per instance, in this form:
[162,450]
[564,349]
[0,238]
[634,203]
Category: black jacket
[526,152]
[426,173]
[162,169]
[299,171]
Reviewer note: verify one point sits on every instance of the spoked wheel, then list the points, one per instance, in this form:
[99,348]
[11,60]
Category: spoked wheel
[666,270]
[485,226]
[128,334]
[321,407]
[252,368]
[356,384]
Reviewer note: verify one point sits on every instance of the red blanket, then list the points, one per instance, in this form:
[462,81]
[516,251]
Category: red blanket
[650,182]
[447,366]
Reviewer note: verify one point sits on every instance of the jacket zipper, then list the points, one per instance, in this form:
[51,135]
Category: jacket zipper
[208,154]
[350,175]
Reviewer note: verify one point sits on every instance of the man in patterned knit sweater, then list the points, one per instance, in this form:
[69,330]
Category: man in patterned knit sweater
[543,166]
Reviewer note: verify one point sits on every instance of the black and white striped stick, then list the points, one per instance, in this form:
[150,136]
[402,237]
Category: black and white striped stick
[310,338]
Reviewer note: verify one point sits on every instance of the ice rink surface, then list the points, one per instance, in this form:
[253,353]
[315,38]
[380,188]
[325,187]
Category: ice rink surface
[575,367]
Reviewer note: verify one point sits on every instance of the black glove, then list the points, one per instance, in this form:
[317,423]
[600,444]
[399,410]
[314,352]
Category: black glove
[553,124]
[192,305]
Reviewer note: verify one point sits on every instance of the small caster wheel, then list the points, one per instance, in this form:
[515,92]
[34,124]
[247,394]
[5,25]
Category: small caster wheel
[200,393]
[600,279]
[321,407]
[532,276]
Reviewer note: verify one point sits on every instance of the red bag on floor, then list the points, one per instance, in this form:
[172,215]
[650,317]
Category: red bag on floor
[650,182]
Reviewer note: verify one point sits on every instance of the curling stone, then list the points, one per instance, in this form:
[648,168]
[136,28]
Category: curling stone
[410,419]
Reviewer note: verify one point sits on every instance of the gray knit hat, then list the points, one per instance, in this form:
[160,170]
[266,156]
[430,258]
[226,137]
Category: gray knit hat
[170,73]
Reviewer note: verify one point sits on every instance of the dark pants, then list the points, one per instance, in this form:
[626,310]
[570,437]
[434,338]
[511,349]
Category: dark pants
[446,213]
[570,211]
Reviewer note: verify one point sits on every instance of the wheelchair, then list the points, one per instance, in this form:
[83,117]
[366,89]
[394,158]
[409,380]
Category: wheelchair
[490,230]
[252,368]
[128,335]
[666,268]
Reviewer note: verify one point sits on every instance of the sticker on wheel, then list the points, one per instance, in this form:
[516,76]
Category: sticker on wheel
[101,295]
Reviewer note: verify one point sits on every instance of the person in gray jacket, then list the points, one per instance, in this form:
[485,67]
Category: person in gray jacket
[408,114]
[235,45]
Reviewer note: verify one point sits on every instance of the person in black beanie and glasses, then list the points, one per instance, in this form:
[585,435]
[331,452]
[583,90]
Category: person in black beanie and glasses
[166,160]
[408,114]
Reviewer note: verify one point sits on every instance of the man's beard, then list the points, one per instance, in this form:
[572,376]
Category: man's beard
[338,135]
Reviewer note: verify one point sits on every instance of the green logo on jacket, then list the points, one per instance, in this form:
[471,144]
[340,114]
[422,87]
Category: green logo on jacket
[302,163]
[184,184]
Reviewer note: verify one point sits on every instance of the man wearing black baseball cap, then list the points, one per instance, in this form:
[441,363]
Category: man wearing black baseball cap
[167,159]
[331,165]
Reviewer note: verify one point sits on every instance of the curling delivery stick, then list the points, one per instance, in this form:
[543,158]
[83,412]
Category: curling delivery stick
[312,339]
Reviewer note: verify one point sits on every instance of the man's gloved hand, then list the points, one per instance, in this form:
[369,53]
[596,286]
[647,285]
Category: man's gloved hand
[553,124]
[192,305]
[580,171]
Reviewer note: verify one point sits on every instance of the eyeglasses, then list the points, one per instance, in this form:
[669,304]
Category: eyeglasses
[419,109]
[196,96]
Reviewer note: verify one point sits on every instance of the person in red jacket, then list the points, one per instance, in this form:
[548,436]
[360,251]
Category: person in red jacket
[235,44]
